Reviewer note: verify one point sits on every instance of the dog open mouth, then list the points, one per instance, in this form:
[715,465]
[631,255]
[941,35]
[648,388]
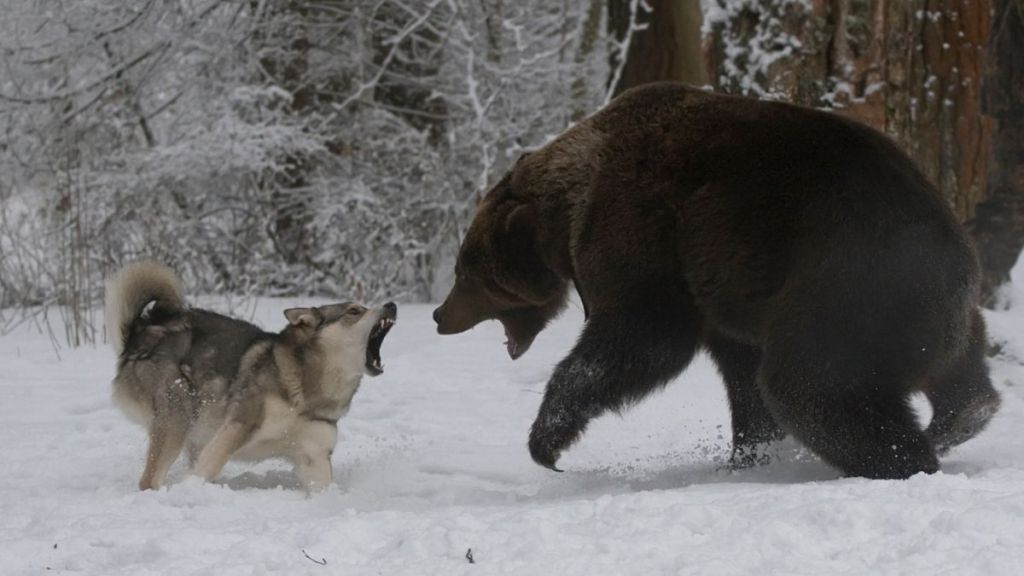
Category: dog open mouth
[377,334]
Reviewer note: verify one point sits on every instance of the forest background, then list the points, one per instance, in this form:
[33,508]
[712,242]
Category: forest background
[337,148]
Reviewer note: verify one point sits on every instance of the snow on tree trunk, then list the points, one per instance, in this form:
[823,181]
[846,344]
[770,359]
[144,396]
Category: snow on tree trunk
[775,49]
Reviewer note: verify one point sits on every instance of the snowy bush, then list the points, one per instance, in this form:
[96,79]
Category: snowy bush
[332,147]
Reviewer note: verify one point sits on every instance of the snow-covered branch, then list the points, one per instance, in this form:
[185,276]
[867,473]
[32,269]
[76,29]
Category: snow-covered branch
[270,147]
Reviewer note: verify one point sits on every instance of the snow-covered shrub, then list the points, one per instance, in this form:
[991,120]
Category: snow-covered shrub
[332,147]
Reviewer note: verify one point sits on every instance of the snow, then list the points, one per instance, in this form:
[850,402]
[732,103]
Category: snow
[433,463]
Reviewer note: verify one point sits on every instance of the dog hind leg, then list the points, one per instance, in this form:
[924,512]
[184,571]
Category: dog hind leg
[167,434]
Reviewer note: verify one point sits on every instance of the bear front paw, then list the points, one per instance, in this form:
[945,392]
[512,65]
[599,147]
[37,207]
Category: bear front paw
[551,434]
[749,457]
[544,452]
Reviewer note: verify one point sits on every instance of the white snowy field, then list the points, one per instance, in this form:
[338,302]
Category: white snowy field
[433,463]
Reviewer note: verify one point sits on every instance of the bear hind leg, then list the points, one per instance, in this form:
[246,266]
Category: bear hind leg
[845,419]
[753,426]
[962,398]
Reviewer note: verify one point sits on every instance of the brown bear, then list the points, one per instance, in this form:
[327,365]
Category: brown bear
[821,271]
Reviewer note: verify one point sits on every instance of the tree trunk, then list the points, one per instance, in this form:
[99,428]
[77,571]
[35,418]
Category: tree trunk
[667,49]
[998,225]
[912,69]
[591,33]
[400,90]
[775,49]
[286,64]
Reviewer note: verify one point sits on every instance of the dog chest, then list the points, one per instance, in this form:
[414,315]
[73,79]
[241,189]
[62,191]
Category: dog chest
[285,432]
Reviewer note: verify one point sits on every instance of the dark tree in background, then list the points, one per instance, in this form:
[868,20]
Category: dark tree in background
[285,61]
[338,147]
[913,69]
[910,69]
[998,225]
[664,43]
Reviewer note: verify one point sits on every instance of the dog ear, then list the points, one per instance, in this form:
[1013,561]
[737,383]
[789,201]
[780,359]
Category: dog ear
[303,317]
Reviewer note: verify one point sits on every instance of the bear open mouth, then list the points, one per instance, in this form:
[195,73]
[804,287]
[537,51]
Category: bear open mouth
[512,346]
[377,334]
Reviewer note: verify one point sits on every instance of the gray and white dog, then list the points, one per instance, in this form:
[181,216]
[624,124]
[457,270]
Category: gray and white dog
[224,388]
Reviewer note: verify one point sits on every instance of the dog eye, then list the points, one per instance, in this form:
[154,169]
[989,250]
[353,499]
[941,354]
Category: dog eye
[354,312]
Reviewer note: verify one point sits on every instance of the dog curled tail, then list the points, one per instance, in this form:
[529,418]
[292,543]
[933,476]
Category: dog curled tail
[132,289]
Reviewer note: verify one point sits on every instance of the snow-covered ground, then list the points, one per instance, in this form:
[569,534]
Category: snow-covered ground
[433,463]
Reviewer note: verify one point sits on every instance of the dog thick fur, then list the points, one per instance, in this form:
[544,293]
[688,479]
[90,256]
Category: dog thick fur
[223,388]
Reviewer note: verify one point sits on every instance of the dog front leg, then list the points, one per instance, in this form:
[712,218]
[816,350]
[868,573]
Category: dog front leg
[314,471]
[229,438]
[311,455]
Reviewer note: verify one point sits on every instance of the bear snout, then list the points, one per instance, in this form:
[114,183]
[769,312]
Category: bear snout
[454,319]
[443,328]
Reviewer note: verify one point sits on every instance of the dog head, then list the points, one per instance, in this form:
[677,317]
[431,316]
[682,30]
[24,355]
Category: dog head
[350,332]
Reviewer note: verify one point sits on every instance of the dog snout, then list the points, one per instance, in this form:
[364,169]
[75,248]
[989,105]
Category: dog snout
[437,315]
[390,310]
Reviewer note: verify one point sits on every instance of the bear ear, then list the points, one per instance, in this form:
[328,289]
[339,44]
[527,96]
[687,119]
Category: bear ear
[521,222]
[303,317]
[520,236]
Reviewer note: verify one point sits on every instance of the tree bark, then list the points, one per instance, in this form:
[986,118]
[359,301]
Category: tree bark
[913,69]
[591,33]
[910,69]
[776,49]
[998,225]
[667,49]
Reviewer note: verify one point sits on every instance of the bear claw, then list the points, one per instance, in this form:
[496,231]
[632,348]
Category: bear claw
[546,460]
[543,454]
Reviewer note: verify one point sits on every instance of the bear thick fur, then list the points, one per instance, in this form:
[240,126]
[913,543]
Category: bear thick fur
[824,274]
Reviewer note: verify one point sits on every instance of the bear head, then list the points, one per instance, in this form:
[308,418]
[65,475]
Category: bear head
[501,272]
